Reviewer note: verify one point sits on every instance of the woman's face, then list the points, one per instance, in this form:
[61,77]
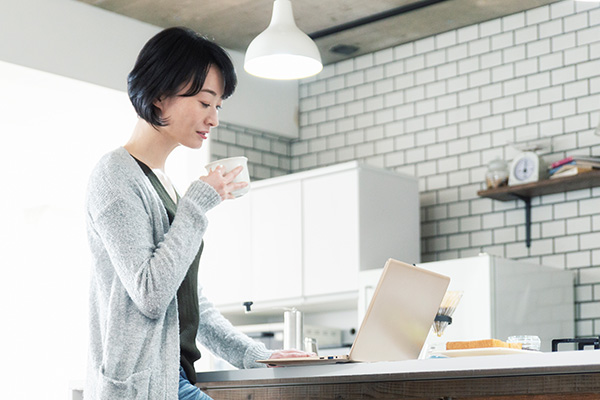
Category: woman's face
[190,118]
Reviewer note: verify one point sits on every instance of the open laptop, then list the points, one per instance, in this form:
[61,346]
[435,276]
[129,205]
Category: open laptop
[398,320]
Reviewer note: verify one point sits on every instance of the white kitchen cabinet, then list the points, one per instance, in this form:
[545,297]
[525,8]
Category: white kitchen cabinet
[276,254]
[224,268]
[501,298]
[331,233]
[304,237]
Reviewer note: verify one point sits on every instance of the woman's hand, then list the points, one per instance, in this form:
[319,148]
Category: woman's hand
[289,354]
[222,182]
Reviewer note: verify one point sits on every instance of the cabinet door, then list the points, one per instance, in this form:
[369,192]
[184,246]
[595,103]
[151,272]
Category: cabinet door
[225,263]
[276,227]
[331,233]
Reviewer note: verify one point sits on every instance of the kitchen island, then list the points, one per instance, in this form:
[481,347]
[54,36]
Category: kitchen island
[536,376]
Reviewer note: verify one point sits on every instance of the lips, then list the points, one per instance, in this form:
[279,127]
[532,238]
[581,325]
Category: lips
[202,134]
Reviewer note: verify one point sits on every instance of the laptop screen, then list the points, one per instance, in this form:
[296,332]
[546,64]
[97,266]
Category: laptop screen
[400,315]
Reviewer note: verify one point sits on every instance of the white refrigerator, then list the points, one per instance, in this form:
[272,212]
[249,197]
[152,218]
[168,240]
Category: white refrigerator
[501,298]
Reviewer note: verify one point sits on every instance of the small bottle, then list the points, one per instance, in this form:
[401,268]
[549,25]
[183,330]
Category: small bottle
[293,330]
[310,345]
[497,174]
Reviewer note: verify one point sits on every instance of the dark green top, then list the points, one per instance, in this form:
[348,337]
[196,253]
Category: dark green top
[187,295]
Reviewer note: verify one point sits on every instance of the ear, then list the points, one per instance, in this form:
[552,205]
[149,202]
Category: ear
[158,103]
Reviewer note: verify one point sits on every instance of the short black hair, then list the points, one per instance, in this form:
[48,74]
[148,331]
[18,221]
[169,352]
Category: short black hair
[168,62]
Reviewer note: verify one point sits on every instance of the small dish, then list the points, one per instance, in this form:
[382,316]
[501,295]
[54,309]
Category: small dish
[485,351]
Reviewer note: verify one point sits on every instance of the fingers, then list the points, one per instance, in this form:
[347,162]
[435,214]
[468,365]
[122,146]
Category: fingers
[230,188]
[223,183]
[237,186]
[290,353]
[231,175]
[219,170]
[228,178]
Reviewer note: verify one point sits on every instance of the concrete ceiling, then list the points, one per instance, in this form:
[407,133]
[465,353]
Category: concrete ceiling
[234,23]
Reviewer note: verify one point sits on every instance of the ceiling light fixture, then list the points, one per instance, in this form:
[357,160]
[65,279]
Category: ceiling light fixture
[282,51]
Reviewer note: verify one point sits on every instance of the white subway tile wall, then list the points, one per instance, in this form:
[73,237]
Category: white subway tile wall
[443,107]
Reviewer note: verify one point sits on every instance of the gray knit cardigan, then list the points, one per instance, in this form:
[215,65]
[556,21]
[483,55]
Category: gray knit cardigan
[138,263]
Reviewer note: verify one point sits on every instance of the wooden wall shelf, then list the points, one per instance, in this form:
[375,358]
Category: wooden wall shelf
[548,186]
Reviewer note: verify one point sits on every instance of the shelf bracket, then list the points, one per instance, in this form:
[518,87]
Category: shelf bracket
[527,201]
[527,191]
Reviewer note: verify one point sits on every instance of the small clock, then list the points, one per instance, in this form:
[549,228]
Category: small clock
[526,167]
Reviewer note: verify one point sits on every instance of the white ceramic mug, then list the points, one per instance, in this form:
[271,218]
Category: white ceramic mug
[229,164]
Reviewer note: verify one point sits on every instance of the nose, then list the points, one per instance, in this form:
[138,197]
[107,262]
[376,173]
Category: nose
[212,119]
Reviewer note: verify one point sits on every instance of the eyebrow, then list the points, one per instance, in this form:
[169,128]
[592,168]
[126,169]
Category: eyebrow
[211,92]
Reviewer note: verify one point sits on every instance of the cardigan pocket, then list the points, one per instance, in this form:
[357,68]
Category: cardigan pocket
[135,387]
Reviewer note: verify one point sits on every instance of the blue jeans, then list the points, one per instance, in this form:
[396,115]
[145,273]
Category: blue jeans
[187,391]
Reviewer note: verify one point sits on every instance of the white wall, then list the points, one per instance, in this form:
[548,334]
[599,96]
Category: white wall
[87,43]
[71,38]
[262,104]
[54,131]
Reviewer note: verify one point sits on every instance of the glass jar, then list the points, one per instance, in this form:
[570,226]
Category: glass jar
[497,174]
[529,342]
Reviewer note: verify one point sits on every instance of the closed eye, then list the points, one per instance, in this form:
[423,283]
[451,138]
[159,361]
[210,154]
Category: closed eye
[207,105]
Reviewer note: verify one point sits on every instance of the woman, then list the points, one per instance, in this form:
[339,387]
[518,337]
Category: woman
[145,306]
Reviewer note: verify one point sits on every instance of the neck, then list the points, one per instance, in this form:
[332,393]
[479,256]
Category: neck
[149,145]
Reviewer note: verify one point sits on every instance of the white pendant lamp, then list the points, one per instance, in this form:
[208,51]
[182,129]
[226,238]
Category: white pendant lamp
[283,51]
